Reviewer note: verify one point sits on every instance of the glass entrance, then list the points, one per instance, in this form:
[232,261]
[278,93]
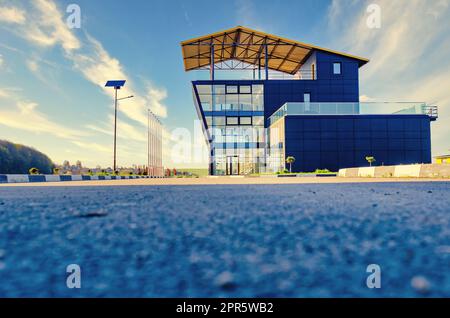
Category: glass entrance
[232,165]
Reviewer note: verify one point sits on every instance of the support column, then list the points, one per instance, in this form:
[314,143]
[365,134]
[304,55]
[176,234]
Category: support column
[266,55]
[211,68]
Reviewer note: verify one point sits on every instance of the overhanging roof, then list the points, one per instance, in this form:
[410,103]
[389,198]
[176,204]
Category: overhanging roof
[248,46]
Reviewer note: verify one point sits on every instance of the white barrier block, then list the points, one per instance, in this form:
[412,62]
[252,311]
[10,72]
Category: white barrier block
[17,178]
[94,177]
[407,171]
[366,172]
[52,178]
[107,177]
[342,172]
[77,178]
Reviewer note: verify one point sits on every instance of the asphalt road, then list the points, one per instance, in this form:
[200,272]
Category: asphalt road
[304,240]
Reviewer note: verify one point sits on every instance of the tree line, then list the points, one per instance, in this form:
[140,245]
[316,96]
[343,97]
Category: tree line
[18,159]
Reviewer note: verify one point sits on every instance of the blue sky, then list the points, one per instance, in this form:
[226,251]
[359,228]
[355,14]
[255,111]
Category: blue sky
[51,94]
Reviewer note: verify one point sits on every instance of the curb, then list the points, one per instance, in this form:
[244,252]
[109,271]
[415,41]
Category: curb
[24,178]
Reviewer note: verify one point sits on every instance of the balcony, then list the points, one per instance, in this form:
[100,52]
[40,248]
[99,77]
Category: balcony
[361,108]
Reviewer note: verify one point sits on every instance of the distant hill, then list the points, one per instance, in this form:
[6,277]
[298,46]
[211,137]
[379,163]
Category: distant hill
[18,159]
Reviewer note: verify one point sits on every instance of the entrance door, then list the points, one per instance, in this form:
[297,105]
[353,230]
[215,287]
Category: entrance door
[232,165]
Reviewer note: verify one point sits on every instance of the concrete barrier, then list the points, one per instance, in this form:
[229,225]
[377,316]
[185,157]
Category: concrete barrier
[17,178]
[24,178]
[52,178]
[384,171]
[366,172]
[407,171]
[435,170]
[400,171]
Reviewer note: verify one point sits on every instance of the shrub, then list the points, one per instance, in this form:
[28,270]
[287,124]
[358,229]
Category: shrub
[322,171]
[33,171]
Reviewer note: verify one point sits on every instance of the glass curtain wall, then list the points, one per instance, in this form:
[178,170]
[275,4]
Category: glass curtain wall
[234,116]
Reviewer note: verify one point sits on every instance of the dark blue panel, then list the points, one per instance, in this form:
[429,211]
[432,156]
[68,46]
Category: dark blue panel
[36,178]
[396,157]
[346,159]
[3,178]
[413,144]
[378,124]
[345,124]
[379,134]
[312,125]
[346,144]
[363,144]
[396,144]
[396,124]
[413,134]
[86,178]
[413,156]
[362,134]
[329,145]
[349,144]
[65,178]
[379,144]
[328,160]
[311,144]
[328,124]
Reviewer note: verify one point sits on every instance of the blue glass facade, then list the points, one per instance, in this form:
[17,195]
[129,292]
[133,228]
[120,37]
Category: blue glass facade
[233,121]
[235,112]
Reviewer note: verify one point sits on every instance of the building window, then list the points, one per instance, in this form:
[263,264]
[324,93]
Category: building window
[258,89]
[231,121]
[219,121]
[307,101]
[245,89]
[204,89]
[232,89]
[337,68]
[245,121]
[258,120]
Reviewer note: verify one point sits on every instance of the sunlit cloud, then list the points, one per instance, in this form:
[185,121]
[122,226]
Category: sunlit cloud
[25,115]
[12,15]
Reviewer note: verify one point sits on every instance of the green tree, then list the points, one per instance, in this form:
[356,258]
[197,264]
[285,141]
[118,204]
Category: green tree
[18,159]
[370,160]
[290,160]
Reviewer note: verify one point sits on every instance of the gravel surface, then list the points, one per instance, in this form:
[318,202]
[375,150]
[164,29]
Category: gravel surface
[304,240]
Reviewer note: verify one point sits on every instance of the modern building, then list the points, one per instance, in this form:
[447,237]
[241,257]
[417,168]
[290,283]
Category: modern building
[267,98]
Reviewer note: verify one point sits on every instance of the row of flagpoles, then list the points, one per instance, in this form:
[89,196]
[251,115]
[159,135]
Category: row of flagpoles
[154,164]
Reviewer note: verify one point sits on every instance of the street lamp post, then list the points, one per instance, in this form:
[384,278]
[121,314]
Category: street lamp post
[117,85]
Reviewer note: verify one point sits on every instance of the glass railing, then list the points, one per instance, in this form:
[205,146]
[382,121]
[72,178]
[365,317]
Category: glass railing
[361,108]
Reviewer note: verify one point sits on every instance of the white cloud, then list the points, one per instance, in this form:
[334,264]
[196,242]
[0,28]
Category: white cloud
[12,15]
[50,28]
[92,146]
[155,99]
[24,115]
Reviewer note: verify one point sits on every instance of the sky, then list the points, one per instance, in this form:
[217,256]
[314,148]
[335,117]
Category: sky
[51,76]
